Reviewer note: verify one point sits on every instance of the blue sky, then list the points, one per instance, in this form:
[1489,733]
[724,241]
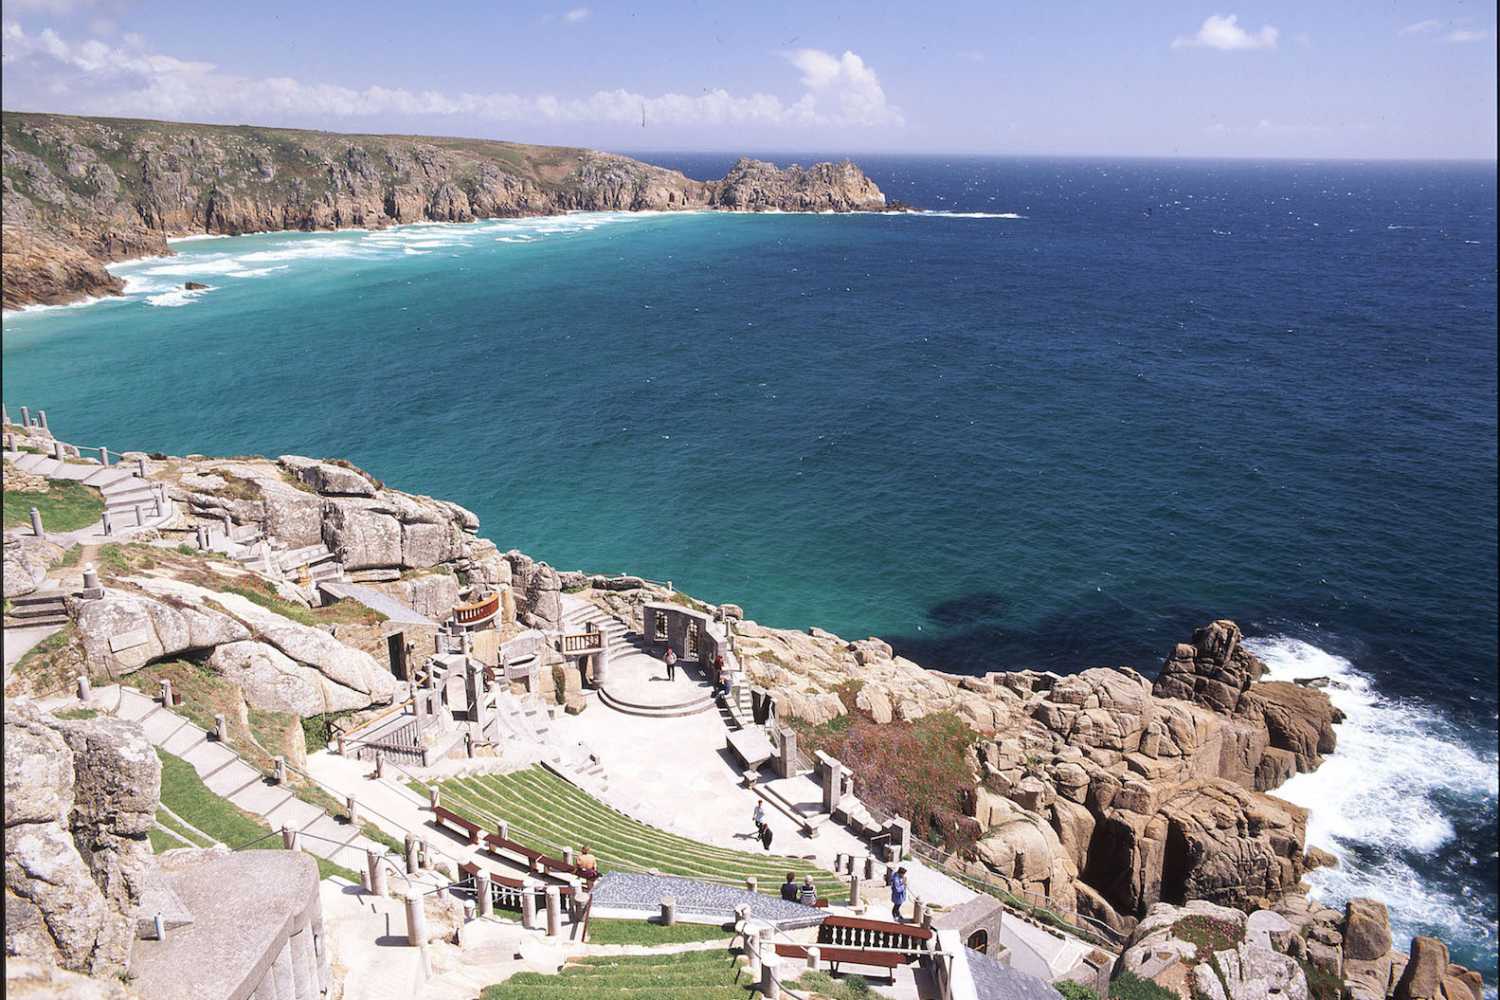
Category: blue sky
[1332,79]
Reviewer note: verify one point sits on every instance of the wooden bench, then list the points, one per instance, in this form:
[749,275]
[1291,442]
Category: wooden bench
[888,960]
[533,860]
[444,818]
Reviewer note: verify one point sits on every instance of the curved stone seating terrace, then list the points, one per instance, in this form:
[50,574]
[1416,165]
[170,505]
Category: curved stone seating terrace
[637,684]
[699,975]
[547,814]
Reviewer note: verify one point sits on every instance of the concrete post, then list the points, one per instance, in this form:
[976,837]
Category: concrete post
[770,977]
[36,523]
[434,796]
[814,958]
[425,854]
[668,910]
[376,869]
[411,854]
[528,908]
[503,829]
[752,950]
[766,950]
[41,419]
[280,769]
[353,811]
[57,449]
[853,890]
[90,577]
[221,728]
[750,882]
[786,762]
[568,855]
[289,838]
[109,526]
[25,416]
[838,862]
[554,911]
[140,467]
[161,927]
[104,457]
[469,745]
[601,662]
[140,515]
[166,692]
[4,413]
[482,894]
[416,922]
[84,691]
[918,910]
[869,868]
[342,750]
[379,765]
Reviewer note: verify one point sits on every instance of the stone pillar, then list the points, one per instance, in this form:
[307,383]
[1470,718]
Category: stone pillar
[41,419]
[140,515]
[379,765]
[503,829]
[140,467]
[869,868]
[668,910]
[353,811]
[90,577]
[109,525]
[416,921]
[554,911]
[750,882]
[280,769]
[568,855]
[375,862]
[411,854]
[425,853]
[161,927]
[221,728]
[166,693]
[601,661]
[814,958]
[25,416]
[528,908]
[918,910]
[853,890]
[786,762]
[104,457]
[482,894]
[342,751]
[899,831]
[36,523]
[289,838]
[4,413]
[57,449]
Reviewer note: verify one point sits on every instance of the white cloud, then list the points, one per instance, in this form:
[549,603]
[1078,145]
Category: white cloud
[1465,35]
[48,6]
[576,14]
[130,80]
[1421,27]
[1224,32]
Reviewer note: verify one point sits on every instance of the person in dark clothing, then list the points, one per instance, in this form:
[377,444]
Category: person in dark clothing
[765,835]
[789,888]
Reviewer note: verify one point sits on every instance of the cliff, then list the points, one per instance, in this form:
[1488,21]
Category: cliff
[81,192]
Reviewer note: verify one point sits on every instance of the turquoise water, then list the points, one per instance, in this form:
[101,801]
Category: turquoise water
[1087,409]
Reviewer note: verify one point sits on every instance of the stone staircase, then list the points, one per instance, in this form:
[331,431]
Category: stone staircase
[37,609]
[622,704]
[618,640]
[323,566]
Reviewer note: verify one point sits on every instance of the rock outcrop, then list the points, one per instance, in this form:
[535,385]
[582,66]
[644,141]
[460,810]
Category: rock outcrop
[79,798]
[26,560]
[81,192]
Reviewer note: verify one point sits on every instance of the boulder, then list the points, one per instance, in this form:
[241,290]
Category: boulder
[327,478]
[1425,971]
[28,978]
[1211,670]
[27,558]
[360,536]
[122,632]
[1366,930]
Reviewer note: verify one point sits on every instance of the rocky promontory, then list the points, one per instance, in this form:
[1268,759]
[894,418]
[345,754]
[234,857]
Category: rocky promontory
[81,192]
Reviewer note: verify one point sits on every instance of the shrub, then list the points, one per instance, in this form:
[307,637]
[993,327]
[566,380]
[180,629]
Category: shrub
[1129,986]
[1074,991]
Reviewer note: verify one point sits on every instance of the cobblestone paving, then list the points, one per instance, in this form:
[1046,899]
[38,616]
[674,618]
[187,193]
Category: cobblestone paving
[645,892]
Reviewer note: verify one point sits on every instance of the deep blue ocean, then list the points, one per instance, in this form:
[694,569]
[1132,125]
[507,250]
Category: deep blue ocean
[1076,410]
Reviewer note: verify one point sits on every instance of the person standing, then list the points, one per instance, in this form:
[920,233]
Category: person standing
[671,661]
[759,818]
[898,894]
[765,835]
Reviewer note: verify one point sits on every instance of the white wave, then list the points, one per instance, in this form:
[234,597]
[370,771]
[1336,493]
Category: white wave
[189,266]
[1372,802]
[415,253]
[945,214]
[258,272]
[177,297]
[40,307]
[198,236]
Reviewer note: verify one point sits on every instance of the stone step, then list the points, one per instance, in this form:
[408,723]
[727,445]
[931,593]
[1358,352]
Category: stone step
[37,621]
[28,461]
[693,707]
[41,599]
[103,477]
[127,484]
[47,467]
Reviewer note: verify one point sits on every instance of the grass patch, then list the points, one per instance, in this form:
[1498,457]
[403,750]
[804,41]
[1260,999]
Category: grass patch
[161,840]
[71,557]
[382,838]
[66,506]
[264,594]
[1208,934]
[603,931]
[77,713]
[51,665]
[1129,986]
[319,730]
[691,975]
[824,985]
[1321,984]
[1074,991]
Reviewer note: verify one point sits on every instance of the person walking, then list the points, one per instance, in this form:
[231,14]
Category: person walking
[898,894]
[789,888]
[671,661]
[759,817]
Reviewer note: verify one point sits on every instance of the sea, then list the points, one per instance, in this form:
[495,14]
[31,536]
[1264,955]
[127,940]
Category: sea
[1058,416]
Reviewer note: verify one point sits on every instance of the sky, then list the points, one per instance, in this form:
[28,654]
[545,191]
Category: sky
[1363,80]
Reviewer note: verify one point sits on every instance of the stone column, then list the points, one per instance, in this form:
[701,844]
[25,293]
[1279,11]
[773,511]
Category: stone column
[375,861]
[416,921]
[379,765]
[750,882]
[528,908]
[668,911]
[90,577]
[289,838]
[84,691]
[57,449]
[786,762]
[918,910]
[425,853]
[411,854]
[104,457]
[503,829]
[554,911]
[434,796]
[25,416]
[601,661]
[109,526]
[482,893]
[869,868]
[832,773]
[41,419]
[814,958]
[280,769]
[353,811]
[899,830]
[36,523]
[4,414]
[221,728]
[166,700]
[853,890]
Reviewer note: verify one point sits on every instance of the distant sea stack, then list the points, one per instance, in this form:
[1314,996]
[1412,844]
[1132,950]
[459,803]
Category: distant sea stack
[81,192]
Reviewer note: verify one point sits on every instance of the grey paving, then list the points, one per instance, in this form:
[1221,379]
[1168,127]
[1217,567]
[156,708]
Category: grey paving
[629,890]
[376,601]
[993,981]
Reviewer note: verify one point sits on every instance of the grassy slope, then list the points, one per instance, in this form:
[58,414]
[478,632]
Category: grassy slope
[692,975]
[66,506]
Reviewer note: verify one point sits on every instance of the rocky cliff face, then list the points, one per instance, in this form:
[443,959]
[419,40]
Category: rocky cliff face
[80,192]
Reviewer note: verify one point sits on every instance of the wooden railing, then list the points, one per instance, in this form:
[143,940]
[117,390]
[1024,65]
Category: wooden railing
[582,642]
[478,611]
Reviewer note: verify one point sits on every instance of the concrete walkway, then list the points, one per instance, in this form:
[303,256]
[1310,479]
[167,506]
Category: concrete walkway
[376,601]
[114,482]
[228,775]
